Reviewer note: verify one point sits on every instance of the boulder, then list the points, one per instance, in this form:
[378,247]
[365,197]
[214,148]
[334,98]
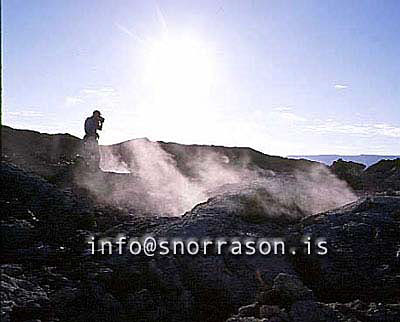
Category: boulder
[292,288]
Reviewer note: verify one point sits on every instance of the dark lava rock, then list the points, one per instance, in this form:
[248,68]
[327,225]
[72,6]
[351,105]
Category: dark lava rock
[315,311]
[21,299]
[49,273]
[17,233]
[291,287]
[363,241]
[383,176]
[249,310]
[349,171]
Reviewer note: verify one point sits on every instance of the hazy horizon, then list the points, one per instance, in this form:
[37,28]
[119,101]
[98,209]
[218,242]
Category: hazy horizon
[284,78]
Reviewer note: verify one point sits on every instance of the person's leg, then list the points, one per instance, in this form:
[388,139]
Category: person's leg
[96,152]
[85,150]
[91,152]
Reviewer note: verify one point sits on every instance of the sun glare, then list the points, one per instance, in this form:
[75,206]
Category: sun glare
[179,71]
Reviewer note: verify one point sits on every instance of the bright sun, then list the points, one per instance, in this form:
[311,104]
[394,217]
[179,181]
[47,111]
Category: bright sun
[180,71]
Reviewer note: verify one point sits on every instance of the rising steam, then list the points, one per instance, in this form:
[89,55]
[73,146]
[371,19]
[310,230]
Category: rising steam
[143,175]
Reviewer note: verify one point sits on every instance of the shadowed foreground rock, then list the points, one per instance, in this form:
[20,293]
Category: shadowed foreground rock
[382,177]
[48,273]
[289,300]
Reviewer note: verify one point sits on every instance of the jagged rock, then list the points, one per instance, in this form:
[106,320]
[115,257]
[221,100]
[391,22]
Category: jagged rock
[362,240]
[360,311]
[246,319]
[64,297]
[269,311]
[273,297]
[17,233]
[249,310]
[349,171]
[22,299]
[383,176]
[292,288]
[311,311]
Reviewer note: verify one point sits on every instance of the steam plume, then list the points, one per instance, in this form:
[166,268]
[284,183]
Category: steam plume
[160,182]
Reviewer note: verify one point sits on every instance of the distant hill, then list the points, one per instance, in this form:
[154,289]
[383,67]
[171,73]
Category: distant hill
[328,159]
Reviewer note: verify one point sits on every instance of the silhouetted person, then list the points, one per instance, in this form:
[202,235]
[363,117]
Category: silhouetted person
[93,124]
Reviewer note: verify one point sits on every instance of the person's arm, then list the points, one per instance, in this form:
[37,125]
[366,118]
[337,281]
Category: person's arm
[100,124]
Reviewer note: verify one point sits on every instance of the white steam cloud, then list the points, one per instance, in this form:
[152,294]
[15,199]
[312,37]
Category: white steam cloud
[143,175]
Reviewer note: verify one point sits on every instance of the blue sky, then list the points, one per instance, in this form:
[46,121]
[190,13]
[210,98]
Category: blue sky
[283,77]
